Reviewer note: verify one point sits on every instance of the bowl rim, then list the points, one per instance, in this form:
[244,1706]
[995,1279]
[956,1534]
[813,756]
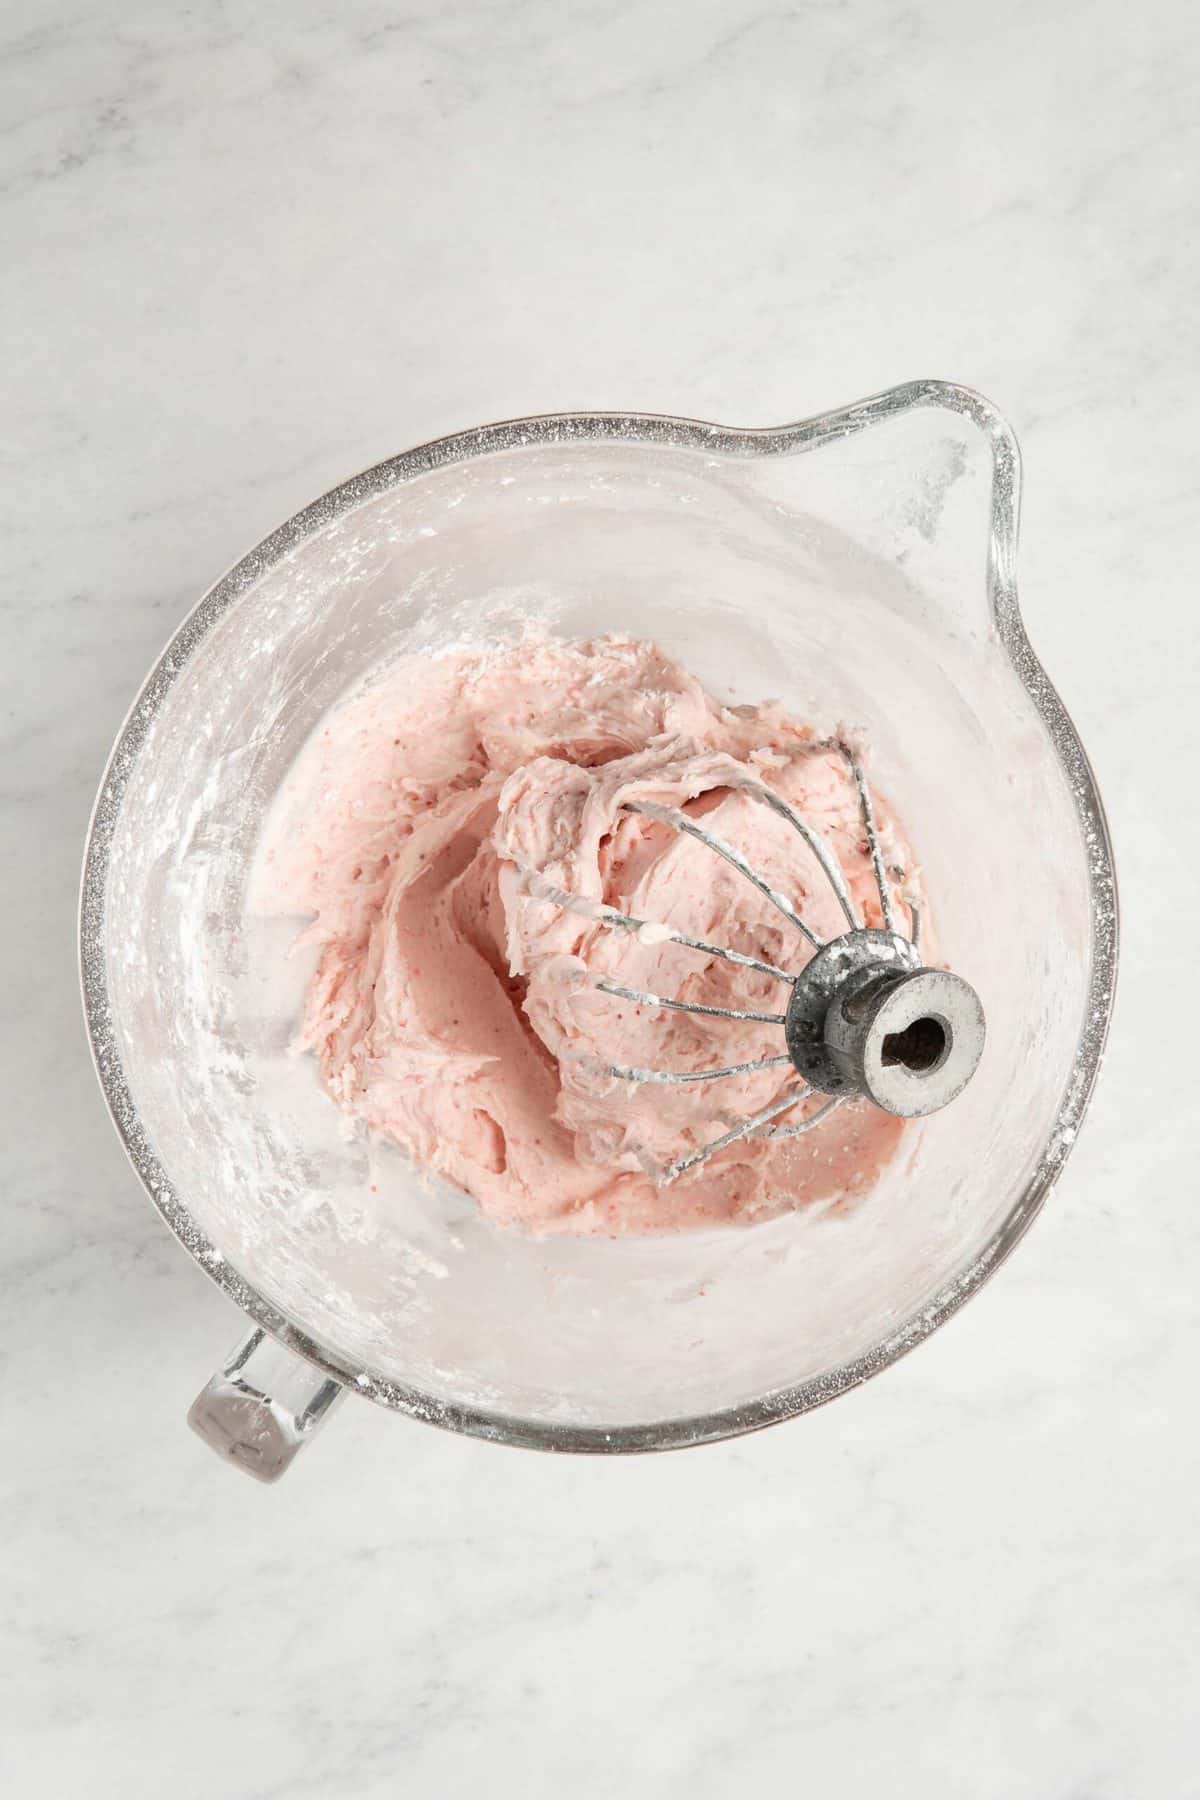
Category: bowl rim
[681,433]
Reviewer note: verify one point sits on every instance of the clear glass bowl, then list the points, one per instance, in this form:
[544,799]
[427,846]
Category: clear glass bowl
[860,567]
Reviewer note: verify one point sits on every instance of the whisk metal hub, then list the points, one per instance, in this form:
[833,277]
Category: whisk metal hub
[836,972]
[866,1018]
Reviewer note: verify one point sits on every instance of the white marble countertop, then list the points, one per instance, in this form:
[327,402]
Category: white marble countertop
[246,256]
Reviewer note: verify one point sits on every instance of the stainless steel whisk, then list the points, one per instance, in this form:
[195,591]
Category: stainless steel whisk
[864,1016]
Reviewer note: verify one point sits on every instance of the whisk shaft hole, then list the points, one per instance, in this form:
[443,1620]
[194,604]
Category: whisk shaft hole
[920,1047]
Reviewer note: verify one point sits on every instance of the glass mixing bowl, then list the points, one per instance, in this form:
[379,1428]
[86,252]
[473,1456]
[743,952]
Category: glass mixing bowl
[859,567]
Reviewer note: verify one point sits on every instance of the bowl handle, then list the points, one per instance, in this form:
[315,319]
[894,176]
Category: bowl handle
[262,1406]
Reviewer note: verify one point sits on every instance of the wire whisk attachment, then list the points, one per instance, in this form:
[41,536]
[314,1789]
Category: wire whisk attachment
[862,1017]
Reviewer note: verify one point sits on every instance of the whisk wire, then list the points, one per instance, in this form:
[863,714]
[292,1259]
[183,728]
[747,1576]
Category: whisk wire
[833,874]
[791,1131]
[866,806]
[600,914]
[679,821]
[914,917]
[688,1006]
[680,1076]
[780,1104]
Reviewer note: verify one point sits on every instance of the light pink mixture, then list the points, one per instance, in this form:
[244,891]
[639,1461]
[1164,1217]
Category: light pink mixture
[455,1009]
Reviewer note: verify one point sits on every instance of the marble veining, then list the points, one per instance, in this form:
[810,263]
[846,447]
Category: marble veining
[248,256]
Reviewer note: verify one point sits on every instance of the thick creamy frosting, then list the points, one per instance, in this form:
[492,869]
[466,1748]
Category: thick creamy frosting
[433,827]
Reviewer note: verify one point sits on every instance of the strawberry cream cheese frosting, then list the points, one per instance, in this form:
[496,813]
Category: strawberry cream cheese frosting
[454,833]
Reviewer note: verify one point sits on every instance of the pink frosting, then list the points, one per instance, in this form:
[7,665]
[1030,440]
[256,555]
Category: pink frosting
[454,1007]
